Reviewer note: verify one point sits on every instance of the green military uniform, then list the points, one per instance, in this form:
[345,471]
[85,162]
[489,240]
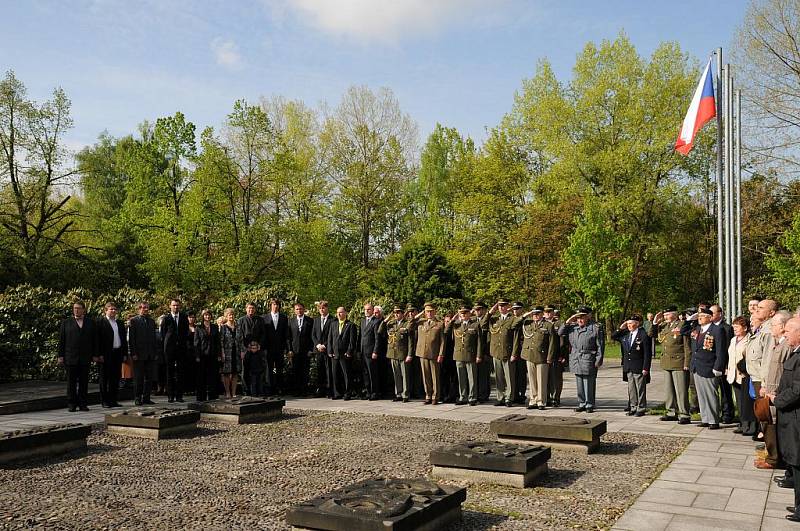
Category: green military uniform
[501,348]
[467,349]
[539,348]
[430,345]
[676,353]
[399,346]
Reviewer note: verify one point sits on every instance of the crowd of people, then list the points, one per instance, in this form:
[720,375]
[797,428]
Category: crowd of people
[411,354]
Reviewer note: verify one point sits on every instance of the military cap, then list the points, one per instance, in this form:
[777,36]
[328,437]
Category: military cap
[398,308]
[583,310]
[464,309]
[478,305]
[549,308]
[517,306]
[429,306]
[411,308]
[635,317]
[671,308]
[705,311]
[538,309]
[502,302]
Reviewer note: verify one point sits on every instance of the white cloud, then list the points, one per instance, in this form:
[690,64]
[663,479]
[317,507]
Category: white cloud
[386,20]
[226,53]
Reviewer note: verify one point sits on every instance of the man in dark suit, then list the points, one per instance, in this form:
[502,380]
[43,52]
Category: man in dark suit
[144,350]
[175,337]
[709,360]
[276,337]
[341,347]
[113,347]
[725,389]
[301,347]
[249,327]
[319,337]
[370,357]
[77,348]
[637,353]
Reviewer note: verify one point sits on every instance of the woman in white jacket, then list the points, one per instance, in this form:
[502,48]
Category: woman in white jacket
[738,377]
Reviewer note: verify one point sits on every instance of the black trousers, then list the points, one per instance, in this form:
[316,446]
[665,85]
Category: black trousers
[110,373]
[373,383]
[747,417]
[726,393]
[275,363]
[207,379]
[176,367]
[300,364]
[449,380]
[340,376]
[145,372]
[77,385]
[795,469]
[323,374]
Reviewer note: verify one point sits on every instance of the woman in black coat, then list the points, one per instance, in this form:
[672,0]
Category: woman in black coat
[207,353]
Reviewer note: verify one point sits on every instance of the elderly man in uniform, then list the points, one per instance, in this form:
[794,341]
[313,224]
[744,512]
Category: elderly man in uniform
[467,351]
[430,350]
[676,355]
[636,357]
[555,378]
[787,401]
[538,350]
[398,349]
[501,348]
[587,342]
[485,365]
[709,360]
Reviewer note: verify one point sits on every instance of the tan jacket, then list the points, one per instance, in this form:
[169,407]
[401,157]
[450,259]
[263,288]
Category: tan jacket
[756,350]
[736,352]
[430,338]
[777,353]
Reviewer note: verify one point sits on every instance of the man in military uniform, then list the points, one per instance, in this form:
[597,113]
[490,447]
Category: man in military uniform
[467,351]
[637,354]
[485,365]
[587,341]
[430,350]
[538,349]
[399,348]
[521,373]
[501,346]
[555,380]
[676,354]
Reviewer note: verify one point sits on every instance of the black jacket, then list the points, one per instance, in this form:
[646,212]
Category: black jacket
[250,329]
[709,353]
[787,401]
[637,356]
[207,343]
[77,345]
[174,337]
[143,338]
[106,339]
[344,343]
[369,336]
[301,341]
[276,340]
[319,335]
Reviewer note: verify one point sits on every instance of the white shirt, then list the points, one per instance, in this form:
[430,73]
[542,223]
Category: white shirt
[704,328]
[275,320]
[300,323]
[633,336]
[117,341]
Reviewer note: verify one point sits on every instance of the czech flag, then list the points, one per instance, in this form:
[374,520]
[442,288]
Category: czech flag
[702,109]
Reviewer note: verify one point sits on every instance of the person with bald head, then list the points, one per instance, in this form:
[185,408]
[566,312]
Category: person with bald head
[758,346]
[775,354]
[787,401]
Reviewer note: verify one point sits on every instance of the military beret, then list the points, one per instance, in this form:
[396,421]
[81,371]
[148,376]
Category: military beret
[671,308]
[583,310]
[478,305]
[705,311]
[549,308]
[517,306]
[538,309]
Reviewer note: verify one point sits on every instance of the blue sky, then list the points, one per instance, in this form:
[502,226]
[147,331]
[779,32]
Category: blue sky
[457,62]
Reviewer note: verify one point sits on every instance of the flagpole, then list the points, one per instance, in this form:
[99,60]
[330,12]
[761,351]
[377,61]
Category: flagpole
[720,274]
[738,166]
[728,187]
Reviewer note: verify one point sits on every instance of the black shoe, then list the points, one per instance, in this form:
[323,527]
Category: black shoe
[83,408]
[541,408]
[713,427]
[346,397]
[640,413]
[794,517]
[179,400]
[790,508]
[779,478]
[627,409]
[473,402]
[785,484]
[509,404]
[105,405]
[590,410]
[396,399]
[405,400]
[727,421]
[530,406]
[738,430]
[668,418]
[556,403]
[684,421]
[170,400]
[137,402]
[148,402]
[704,424]
[579,409]
[115,404]
[72,409]
[630,413]
[461,402]
[335,397]
[500,403]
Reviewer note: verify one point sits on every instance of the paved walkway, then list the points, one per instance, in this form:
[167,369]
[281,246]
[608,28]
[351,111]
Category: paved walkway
[711,485]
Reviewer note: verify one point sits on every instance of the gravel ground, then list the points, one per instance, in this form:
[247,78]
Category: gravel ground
[245,477]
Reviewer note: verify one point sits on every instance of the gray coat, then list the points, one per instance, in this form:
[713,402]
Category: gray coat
[587,346]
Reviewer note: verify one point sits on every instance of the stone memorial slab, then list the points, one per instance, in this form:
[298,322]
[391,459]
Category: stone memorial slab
[381,504]
[563,433]
[153,422]
[242,410]
[22,445]
[491,462]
